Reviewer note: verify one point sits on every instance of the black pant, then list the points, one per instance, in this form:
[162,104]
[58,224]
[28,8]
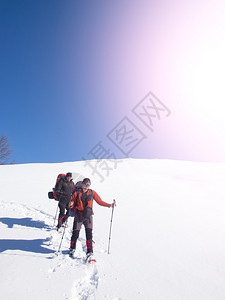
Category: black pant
[79,220]
[62,208]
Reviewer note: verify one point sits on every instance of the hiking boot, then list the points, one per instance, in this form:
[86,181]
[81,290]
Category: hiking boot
[71,252]
[58,226]
[89,252]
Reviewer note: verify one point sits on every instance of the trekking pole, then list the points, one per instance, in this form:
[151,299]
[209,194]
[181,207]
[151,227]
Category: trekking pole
[55,215]
[62,236]
[111,224]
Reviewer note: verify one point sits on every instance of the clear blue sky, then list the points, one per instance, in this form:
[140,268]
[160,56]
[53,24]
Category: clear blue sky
[73,73]
[47,79]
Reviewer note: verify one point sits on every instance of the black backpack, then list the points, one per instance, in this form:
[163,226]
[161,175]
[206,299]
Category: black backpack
[78,186]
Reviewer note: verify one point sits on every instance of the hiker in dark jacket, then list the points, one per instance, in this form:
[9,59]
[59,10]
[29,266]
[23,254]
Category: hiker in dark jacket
[82,202]
[64,191]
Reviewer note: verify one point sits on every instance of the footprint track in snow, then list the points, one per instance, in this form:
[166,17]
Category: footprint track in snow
[85,288]
[82,289]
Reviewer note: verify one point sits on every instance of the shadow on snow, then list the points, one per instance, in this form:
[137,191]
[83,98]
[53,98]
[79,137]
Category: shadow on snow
[27,222]
[34,246]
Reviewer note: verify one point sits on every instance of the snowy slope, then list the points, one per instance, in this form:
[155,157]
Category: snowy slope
[167,236]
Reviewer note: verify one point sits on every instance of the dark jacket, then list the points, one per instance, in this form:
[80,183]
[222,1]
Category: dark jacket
[64,190]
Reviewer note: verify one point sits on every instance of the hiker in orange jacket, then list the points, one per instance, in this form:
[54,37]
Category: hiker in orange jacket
[81,203]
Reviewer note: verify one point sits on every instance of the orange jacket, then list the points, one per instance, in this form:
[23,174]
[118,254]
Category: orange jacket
[77,203]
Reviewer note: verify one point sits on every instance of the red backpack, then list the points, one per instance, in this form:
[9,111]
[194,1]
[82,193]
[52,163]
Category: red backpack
[51,195]
[57,181]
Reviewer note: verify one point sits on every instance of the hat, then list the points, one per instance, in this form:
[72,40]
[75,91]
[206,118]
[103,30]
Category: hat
[69,175]
[86,181]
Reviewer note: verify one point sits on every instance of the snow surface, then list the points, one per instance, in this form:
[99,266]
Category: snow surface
[167,236]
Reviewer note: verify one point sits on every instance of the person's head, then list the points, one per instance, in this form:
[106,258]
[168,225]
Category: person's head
[68,176]
[86,183]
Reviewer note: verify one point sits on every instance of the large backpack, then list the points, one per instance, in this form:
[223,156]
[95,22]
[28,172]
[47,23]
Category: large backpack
[51,194]
[59,177]
[77,186]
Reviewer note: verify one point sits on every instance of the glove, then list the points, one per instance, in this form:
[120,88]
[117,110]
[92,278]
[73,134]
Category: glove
[55,195]
[113,204]
[71,203]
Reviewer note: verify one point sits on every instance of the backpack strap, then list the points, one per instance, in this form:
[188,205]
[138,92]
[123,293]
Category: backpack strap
[92,195]
[78,192]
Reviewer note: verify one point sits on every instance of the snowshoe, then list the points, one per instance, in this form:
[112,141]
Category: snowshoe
[90,258]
